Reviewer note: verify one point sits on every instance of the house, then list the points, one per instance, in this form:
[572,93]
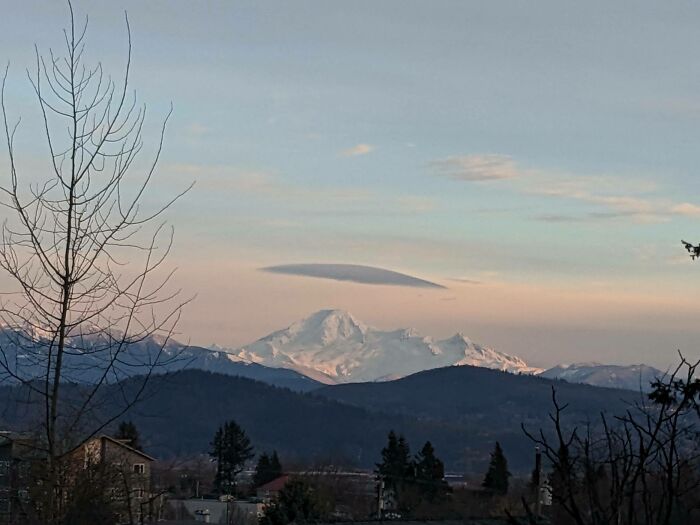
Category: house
[18,454]
[271,489]
[125,471]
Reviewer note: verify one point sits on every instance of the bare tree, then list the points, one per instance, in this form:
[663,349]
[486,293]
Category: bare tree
[640,467]
[85,252]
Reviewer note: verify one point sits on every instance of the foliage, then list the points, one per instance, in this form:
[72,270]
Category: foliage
[396,468]
[410,481]
[641,466]
[231,449]
[93,495]
[496,479]
[430,474]
[267,469]
[296,503]
[128,432]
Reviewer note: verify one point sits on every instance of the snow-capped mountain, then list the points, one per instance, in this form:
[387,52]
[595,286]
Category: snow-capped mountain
[23,354]
[630,377]
[332,346]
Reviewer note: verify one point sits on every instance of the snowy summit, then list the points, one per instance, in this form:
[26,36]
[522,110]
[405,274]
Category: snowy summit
[332,346]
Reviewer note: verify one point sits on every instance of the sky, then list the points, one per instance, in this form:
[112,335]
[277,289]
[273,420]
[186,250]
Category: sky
[536,160]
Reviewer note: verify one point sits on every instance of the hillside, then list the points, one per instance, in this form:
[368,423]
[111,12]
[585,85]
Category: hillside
[467,392]
[24,353]
[462,410]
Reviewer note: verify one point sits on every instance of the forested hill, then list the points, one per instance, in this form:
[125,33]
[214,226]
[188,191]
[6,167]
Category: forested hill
[470,394]
[462,410]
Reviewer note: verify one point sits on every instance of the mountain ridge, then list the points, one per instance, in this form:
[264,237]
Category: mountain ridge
[332,346]
[629,377]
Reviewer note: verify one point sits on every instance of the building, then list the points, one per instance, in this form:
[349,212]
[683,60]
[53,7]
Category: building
[271,489]
[19,458]
[216,511]
[125,471]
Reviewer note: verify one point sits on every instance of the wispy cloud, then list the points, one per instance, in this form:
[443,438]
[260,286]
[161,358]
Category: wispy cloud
[612,197]
[223,179]
[686,209]
[466,281]
[476,167]
[416,204]
[196,129]
[357,150]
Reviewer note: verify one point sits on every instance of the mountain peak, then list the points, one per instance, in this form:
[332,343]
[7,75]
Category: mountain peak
[334,346]
[631,377]
[460,337]
[327,326]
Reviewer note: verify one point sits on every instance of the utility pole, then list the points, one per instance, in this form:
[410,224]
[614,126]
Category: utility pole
[537,481]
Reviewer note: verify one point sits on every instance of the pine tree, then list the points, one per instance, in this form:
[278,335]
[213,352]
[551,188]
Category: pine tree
[128,432]
[231,448]
[397,472]
[396,467]
[262,470]
[267,469]
[430,474]
[496,479]
[296,503]
[276,469]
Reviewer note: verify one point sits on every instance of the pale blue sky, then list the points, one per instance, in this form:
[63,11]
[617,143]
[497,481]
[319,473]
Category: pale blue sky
[543,144]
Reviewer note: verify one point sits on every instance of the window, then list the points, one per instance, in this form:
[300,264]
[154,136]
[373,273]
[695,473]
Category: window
[139,468]
[138,493]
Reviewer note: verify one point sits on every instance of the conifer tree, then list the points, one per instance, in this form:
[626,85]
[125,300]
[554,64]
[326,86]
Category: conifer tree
[397,472]
[276,469]
[430,474]
[296,503]
[267,469]
[231,448]
[396,467]
[262,470]
[496,479]
[128,432]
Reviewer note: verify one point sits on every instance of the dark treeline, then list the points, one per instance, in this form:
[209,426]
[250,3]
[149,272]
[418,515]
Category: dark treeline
[462,411]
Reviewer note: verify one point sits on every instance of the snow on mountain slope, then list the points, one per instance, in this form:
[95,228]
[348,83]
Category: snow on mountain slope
[334,347]
[24,354]
[631,377]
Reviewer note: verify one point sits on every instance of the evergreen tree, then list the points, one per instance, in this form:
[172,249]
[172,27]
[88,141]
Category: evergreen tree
[397,472]
[296,503]
[396,467]
[231,448]
[128,432]
[276,469]
[262,470]
[267,469]
[430,474]
[496,479]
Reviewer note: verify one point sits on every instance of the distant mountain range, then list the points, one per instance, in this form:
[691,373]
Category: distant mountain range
[630,377]
[332,346]
[328,347]
[22,355]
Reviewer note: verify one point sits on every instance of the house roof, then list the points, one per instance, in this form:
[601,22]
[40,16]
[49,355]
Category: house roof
[124,445]
[275,485]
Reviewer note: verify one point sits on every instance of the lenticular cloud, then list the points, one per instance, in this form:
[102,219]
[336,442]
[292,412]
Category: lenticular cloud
[352,272]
